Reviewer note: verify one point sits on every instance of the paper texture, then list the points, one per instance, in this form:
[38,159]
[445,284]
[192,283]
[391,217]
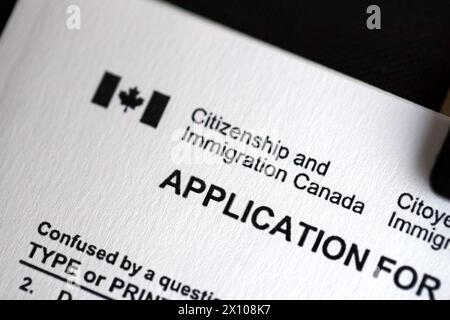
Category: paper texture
[209,165]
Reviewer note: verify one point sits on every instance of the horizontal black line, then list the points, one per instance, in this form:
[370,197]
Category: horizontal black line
[65,280]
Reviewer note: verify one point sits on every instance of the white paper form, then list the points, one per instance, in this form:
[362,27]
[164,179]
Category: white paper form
[155,154]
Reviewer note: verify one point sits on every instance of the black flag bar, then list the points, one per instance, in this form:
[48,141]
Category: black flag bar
[155,106]
[155,109]
[106,89]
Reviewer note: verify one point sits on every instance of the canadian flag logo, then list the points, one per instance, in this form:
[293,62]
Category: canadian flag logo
[130,99]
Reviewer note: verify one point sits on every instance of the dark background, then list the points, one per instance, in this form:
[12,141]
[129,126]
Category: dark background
[409,56]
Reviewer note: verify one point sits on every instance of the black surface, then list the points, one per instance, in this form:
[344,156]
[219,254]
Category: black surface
[440,176]
[409,56]
[5,10]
